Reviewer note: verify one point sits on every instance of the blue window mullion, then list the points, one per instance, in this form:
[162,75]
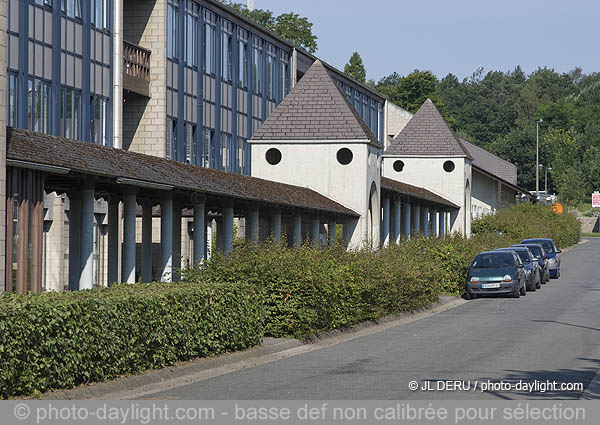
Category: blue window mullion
[180,139]
[55,89]
[218,162]
[199,139]
[233,155]
[264,80]
[86,118]
[22,101]
[250,119]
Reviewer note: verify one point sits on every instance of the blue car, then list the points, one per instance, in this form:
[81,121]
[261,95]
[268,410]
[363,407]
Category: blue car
[540,255]
[552,253]
[496,273]
[532,270]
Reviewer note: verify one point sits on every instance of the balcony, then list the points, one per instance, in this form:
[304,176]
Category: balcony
[136,69]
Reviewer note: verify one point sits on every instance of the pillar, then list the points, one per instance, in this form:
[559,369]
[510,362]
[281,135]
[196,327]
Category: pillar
[315,232]
[425,221]
[276,226]
[86,278]
[166,238]
[199,229]
[113,239]
[443,223]
[397,216]
[331,228]
[407,220]
[129,218]
[146,241]
[227,230]
[176,242]
[434,219]
[74,240]
[385,231]
[252,225]
[417,218]
[297,230]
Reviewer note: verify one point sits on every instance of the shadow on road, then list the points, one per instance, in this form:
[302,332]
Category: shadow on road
[566,324]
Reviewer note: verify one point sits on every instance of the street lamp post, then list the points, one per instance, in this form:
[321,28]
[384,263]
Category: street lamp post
[537,157]
[546,182]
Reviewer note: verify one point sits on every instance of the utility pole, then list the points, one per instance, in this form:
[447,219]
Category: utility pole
[537,159]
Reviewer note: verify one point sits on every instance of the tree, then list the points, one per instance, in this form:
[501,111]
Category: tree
[355,68]
[289,26]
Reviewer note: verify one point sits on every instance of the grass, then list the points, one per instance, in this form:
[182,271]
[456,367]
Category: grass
[590,235]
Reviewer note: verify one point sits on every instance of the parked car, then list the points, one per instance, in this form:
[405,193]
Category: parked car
[542,258]
[496,273]
[552,252]
[531,266]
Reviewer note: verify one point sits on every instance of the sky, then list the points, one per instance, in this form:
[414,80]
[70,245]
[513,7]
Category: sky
[453,36]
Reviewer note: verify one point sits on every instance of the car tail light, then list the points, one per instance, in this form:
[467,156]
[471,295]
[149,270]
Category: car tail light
[508,278]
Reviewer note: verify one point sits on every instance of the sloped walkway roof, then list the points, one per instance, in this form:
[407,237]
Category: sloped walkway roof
[315,109]
[90,160]
[415,192]
[427,134]
[491,163]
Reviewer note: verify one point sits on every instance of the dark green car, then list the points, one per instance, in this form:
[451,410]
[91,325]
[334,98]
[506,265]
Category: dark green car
[496,273]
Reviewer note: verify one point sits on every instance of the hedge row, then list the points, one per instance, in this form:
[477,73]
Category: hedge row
[59,340]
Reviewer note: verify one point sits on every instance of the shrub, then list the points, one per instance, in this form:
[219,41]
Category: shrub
[59,340]
[531,221]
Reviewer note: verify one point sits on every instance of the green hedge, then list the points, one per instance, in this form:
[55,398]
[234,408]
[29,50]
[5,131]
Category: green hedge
[531,221]
[59,340]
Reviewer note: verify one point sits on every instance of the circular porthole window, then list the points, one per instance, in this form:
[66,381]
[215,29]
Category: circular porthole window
[449,166]
[344,156]
[398,166]
[273,156]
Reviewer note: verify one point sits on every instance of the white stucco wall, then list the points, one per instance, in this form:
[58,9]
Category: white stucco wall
[428,173]
[314,164]
[484,195]
[396,120]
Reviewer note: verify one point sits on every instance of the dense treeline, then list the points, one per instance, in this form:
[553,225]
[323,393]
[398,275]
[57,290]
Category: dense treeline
[497,110]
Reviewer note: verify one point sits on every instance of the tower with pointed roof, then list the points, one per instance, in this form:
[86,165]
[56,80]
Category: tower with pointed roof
[427,153]
[315,138]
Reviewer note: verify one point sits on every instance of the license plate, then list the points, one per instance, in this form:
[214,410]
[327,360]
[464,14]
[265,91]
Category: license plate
[490,285]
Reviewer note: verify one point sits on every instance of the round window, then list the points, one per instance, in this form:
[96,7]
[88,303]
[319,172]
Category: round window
[273,156]
[398,166]
[449,166]
[344,156]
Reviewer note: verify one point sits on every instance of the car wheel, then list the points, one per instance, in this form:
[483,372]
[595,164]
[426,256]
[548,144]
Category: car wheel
[538,283]
[467,295]
[517,292]
[523,291]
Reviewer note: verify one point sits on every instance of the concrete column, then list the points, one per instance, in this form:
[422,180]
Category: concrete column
[407,220]
[443,223]
[385,230]
[146,241]
[199,229]
[176,242]
[425,221]
[86,278]
[434,219]
[417,218]
[397,215]
[74,240]
[209,238]
[113,239]
[166,238]
[276,226]
[227,230]
[315,232]
[331,229]
[129,219]
[297,230]
[252,221]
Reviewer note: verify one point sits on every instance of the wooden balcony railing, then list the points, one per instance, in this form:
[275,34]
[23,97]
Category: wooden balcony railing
[136,69]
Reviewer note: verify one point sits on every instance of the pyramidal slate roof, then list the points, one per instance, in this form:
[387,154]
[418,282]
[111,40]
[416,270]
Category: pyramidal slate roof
[491,163]
[315,109]
[427,134]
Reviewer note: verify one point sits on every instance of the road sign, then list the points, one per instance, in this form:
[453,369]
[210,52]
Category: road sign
[596,200]
[558,208]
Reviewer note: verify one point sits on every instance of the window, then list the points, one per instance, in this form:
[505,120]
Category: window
[241,154]
[70,113]
[398,166]
[270,84]
[99,134]
[225,151]
[99,13]
[38,105]
[257,67]
[449,166]
[227,51]
[190,136]
[285,74]
[71,8]
[191,41]
[172,32]
[209,43]
[273,156]
[12,100]
[243,59]
[209,147]
[345,156]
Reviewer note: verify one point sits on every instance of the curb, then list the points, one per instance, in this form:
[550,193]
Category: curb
[153,381]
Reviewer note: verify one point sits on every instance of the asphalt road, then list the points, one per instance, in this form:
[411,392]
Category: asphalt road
[550,335]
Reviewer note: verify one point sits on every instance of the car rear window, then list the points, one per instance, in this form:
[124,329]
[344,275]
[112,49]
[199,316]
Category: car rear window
[524,255]
[546,244]
[536,250]
[493,260]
